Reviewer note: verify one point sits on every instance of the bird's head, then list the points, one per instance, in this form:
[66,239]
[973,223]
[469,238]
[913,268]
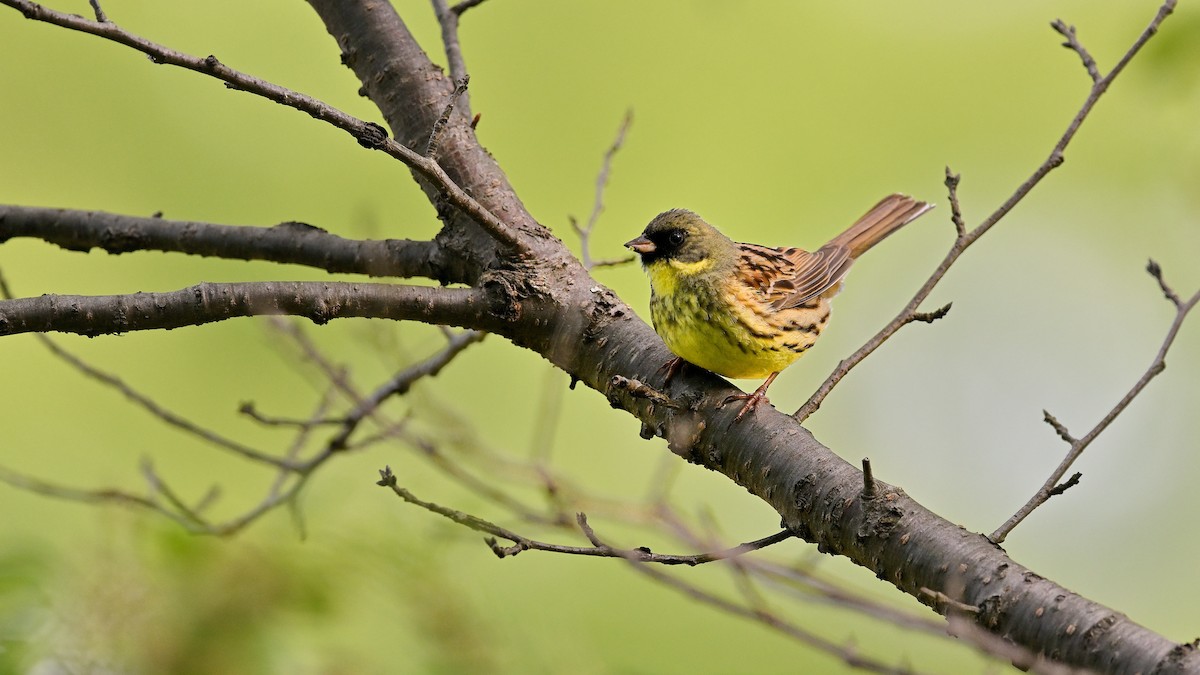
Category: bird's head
[683,240]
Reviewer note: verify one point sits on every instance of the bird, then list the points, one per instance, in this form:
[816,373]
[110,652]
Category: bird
[746,311]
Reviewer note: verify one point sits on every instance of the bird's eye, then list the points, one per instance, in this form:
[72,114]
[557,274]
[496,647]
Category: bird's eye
[676,237]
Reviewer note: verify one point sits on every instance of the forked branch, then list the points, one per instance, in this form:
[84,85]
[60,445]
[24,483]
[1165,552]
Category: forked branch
[1053,486]
[368,134]
[965,237]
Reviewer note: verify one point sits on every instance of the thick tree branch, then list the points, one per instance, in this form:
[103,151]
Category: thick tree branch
[294,243]
[412,93]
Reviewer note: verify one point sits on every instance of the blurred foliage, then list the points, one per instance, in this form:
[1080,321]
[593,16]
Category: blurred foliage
[780,122]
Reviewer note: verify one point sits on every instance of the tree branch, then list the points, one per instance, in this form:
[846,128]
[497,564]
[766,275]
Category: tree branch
[583,328]
[597,549]
[1052,486]
[585,231]
[290,243]
[966,238]
[367,134]
[319,302]
[412,93]
[399,384]
[448,19]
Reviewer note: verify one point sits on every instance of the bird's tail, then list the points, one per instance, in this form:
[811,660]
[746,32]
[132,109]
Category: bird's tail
[890,214]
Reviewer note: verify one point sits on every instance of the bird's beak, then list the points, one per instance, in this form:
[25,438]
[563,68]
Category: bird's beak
[641,245]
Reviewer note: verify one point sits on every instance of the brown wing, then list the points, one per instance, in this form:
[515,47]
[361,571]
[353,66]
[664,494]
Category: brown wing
[816,273]
[788,277]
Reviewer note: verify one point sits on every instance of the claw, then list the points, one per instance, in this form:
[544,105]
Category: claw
[671,369]
[752,400]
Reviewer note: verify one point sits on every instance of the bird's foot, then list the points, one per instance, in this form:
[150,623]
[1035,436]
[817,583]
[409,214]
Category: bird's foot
[670,369]
[752,400]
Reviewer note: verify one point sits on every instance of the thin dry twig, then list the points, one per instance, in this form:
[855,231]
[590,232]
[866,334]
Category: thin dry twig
[1073,44]
[774,621]
[965,238]
[100,16]
[868,491]
[160,487]
[145,402]
[250,410]
[465,5]
[448,20]
[1059,427]
[597,549]
[101,496]
[964,627]
[1052,485]
[1156,271]
[947,602]
[401,382]
[585,232]
[155,409]
[951,182]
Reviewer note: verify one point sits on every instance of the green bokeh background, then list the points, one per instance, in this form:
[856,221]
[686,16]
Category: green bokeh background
[780,123]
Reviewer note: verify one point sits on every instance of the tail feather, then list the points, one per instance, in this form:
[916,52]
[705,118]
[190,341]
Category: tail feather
[890,214]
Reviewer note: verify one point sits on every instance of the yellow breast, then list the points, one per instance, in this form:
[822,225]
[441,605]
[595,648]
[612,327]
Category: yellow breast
[725,327]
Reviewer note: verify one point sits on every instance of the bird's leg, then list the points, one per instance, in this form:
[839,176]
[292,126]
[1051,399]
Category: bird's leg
[671,369]
[752,400]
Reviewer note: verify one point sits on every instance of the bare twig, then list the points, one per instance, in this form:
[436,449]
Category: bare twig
[448,20]
[1073,44]
[946,601]
[597,549]
[964,627]
[160,487]
[100,16]
[847,654]
[463,6]
[151,406]
[250,410]
[400,383]
[102,496]
[368,134]
[868,491]
[797,581]
[1070,483]
[956,216]
[1059,427]
[1156,271]
[930,317]
[585,231]
[1052,487]
[965,238]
